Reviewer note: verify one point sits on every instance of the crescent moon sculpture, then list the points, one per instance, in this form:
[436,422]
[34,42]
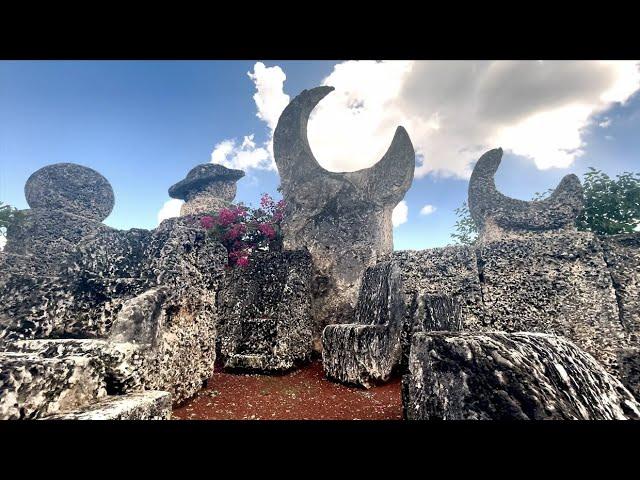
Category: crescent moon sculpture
[342,218]
[490,208]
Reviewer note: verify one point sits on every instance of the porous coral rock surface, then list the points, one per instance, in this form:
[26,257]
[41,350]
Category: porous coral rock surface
[496,375]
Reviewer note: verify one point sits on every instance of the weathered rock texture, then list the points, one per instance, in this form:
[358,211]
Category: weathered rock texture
[32,386]
[366,351]
[554,283]
[343,219]
[265,312]
[629,361]
[496,214]
[622,256]
[149,405]
[121,367]
[140,304]
[496,376]
[207,188]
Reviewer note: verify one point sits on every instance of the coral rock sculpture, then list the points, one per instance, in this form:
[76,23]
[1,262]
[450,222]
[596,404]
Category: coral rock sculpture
[207,188]
[515,376]
[496,214]
[130,310]
[343,219]
[366,351]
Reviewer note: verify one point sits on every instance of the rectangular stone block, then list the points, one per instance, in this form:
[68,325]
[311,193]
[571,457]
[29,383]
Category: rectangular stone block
[451,271]
[149,405]
[32,386]
[622,254]
[552,282]
[509,376]
[122,365]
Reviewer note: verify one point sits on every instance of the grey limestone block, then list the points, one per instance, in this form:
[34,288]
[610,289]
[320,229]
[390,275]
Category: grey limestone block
[149,405]
[32,386]
[553,282]
[622,256]
[509,376]
[629,361]
[121,366]
[450,271]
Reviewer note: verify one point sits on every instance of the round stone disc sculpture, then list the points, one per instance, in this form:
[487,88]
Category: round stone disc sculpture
[71,188]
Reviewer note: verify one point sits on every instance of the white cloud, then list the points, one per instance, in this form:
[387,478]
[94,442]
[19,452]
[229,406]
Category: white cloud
[270,101]
[244,156]
[270,97]
[427,209]
[455,110]
[400,214]
[605,123]
[171,208]
[3,242]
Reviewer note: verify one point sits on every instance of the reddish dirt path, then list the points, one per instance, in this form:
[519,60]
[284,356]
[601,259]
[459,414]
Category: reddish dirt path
[304,394]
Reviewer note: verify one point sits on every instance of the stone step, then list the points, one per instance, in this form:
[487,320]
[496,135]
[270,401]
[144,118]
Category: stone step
[121,364]
[149,405]
[32,386]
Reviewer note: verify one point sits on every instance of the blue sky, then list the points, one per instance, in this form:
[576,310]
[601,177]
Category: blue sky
[145,124]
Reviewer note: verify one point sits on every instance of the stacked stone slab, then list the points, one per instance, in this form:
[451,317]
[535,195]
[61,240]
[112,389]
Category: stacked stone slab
[509,376]
[264,312]
[449,272]
[140,305]
[32,386]
[343,219]
[554,283]
[148,405]
[435,312]
[366,351]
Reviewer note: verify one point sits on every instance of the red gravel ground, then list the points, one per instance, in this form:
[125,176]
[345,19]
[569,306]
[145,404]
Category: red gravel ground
[303,394]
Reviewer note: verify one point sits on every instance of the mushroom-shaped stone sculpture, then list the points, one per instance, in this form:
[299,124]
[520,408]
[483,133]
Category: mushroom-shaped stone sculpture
[206,188]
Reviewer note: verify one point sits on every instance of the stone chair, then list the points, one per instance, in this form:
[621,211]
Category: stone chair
[265,312]
[366,351]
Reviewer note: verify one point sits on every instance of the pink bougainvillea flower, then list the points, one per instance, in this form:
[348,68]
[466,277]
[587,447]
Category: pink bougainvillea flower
[235,232]
[207,222]
[226,217]
[266,201]
[243,230]
[267,230]
[242,262]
